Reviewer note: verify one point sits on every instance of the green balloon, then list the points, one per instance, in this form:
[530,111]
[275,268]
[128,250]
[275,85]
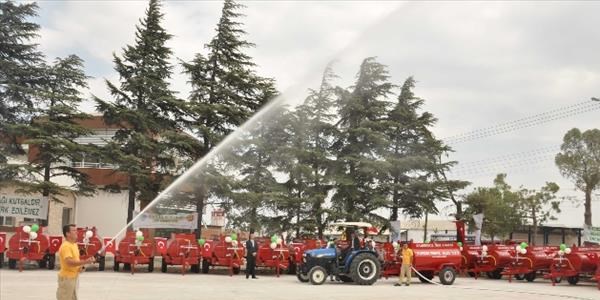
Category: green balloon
[523,245]
[140,238]
[274,239]
[460,244]
[201,242]
[233,237]
[563,247]
[35,227]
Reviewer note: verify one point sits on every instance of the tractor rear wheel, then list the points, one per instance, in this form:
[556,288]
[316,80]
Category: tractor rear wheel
[573,280]
[447,276]
[530,276]
[12,264]
[151,265]
[365,269]
[51,261]
[101,263]
[205,266]
[425,276]
[302,277]
[317,275]
[163,266]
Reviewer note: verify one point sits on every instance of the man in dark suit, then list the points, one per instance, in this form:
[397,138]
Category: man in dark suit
[251,249]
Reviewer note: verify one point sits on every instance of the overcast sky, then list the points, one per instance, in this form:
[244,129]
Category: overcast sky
[476,64]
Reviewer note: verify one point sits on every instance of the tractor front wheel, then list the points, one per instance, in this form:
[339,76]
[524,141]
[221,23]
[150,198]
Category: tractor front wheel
[302,277]
[447,276]
[317,275]
[365,269]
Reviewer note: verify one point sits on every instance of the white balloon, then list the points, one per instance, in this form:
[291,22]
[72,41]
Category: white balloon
[234,243]
[523,251]
[561,253]
[273,245]
[139,233]
[484,248]
[461,249]
[518,248]
[483,253]
[89,234]
[568,251]
[395,244]
[26,229]
[279,241]
[32,235]
[228,239]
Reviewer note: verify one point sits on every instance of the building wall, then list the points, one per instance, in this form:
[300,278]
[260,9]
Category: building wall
[105,210]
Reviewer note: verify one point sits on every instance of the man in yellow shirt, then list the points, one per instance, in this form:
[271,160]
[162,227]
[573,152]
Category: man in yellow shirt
[70,265]
[405,269]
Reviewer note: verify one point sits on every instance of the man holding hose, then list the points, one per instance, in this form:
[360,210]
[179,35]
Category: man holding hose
[70,265]
[405,270]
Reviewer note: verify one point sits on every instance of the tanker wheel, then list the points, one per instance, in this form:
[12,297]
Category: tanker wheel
[101,263]
[489,275]
[163,266]
[471,274]
[317,275]
[126,267]
[425,276]
[557,279]
[302,277]
[151,265]
[447,276]
[1,260]
[195,268]
[365,269]
[51,261]
[530,276]
[519,276]
[205,266]
[292,268]
[497,274]
[573,280]
[43,263]
[236,270]
[12,264]
[116,266]
[345,278]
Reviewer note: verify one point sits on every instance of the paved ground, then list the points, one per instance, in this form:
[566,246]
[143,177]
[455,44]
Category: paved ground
[94,285]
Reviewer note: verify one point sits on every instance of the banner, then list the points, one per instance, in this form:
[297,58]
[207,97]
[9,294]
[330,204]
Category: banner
[395,230]
[24,206]
[478,218]
[591,234]
[176,221]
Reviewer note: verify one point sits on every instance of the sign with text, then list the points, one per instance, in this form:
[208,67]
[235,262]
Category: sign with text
[591,234]
[178,221]
[24,206]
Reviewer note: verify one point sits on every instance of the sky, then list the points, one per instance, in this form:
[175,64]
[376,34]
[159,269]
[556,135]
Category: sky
[477,65]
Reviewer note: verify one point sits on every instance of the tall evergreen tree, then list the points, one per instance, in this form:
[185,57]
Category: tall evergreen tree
[146,110]
[52,134]
[20,77]
[226,91]
[360,145]
[538,207]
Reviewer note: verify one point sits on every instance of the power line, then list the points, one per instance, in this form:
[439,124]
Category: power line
[511,156]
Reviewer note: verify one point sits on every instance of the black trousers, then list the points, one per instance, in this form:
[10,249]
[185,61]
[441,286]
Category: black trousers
[251,266]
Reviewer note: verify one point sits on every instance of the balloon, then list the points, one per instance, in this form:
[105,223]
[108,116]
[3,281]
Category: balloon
[35,227]
[233,236]
[89,234]
[561,252]
[518,248]
[227,239]
[568,251]
[32,235]
[523,245]
[460,244]
[26,229]
[523,251]
[140,238]
[279,241]
[274,239]
[273,245]
[461,248]
[483,253]
[139,233]
[201,242]
[395,244]
[234,243]
[484,248]
[563,247]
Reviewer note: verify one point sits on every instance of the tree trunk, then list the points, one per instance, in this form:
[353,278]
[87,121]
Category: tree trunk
[535,225]
[131,200]
[199,210]
[46,193]
[425,227]
[588,207]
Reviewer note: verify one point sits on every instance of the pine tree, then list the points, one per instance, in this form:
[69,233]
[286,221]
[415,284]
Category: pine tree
[20,70]
[359,167]
[146,110]
[53,132]
[225,90]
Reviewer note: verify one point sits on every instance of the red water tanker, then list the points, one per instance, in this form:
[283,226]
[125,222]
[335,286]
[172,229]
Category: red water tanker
[224,252]
[443,259]
[182,250]
[488,259]
[574,263]
[272,255]
[29,243]
[136,248]
[531,262]
[2,248]
[90,244]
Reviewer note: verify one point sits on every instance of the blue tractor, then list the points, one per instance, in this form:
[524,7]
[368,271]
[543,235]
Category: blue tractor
[345,261]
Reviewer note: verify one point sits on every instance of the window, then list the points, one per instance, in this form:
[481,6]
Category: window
[66,216]
[7,221]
